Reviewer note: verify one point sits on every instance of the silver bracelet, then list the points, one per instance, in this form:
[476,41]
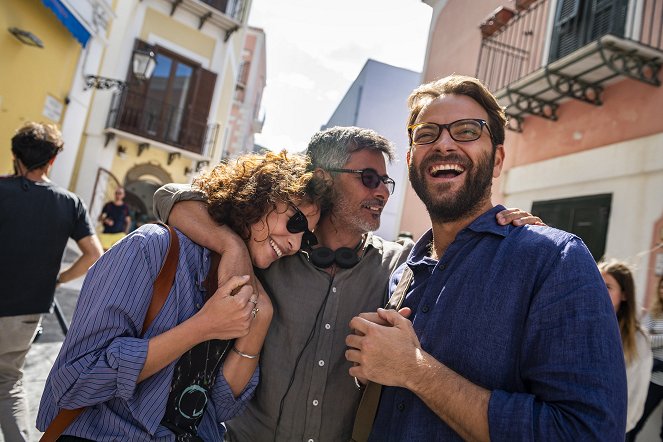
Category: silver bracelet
[245,355]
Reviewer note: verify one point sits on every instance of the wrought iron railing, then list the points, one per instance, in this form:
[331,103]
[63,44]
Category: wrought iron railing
[157,120]
[521,46]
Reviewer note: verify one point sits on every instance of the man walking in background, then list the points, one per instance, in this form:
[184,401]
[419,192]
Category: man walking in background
[115,219]
[36,220]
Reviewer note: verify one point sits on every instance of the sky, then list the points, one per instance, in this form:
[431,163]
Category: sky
[316,49]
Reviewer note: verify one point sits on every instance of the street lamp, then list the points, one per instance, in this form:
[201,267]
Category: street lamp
[143,63]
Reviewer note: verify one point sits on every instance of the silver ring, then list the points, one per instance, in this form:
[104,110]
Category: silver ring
[255,311]
[254,301]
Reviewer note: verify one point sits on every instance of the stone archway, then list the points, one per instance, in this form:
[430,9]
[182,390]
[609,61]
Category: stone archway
[140,183]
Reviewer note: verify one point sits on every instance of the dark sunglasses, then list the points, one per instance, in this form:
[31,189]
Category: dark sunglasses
[298,223]
[370,178]
[468,129]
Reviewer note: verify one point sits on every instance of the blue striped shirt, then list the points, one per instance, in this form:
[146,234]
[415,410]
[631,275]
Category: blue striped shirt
[103,352]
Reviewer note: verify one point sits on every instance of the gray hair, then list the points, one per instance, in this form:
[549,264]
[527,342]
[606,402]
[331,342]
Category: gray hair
[331,148]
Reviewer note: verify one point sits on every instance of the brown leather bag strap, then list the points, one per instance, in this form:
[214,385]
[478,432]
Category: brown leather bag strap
[368,406]
[160,290]
[165,279]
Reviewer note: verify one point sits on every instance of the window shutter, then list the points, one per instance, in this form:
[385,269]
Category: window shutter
[609,17]
[198,109]
[567,33]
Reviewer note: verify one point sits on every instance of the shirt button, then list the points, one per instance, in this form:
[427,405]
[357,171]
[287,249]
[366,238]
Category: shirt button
[198,306]
[425,309]
[321,363]
[310,440]
[442,267]
[315,402]
[401,406]
[334,289]
[327,326]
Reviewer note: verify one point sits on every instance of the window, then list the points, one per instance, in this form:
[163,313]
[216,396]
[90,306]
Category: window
[173,105]
[585,216]
[578,22]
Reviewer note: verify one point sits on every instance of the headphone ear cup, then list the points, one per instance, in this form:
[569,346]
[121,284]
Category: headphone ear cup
[346,257]
[322,257]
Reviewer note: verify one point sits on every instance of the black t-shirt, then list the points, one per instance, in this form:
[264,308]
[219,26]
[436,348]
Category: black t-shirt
[193,379]
[119,216]
[36,220]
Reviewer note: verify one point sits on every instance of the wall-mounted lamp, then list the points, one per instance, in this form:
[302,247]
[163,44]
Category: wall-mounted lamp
[121,151]
[26,37]
[143,63]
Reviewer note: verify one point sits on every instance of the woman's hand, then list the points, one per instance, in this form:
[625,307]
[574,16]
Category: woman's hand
[225,316]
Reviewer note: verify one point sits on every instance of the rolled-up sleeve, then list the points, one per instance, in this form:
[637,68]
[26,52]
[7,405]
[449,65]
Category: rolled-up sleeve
[226,405]
[103,353]
[166,196]
[572,363]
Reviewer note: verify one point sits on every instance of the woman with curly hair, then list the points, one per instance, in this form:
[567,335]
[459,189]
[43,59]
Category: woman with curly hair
[173,379]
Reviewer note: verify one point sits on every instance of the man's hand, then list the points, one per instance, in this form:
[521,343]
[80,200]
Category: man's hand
[383,347]
[518,217]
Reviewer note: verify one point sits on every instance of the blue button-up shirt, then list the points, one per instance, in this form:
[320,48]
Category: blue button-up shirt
[524,313]
[103,352]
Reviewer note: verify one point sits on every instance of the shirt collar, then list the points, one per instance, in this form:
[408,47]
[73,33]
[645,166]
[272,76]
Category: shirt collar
[485,223]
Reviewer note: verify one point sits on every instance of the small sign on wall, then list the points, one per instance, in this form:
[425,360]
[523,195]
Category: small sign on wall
[658,266]
[52,109]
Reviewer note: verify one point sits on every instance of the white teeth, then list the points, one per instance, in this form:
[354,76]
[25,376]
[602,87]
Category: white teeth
[278,251]
[454,167]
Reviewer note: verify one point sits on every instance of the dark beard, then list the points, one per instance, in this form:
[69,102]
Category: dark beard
[470,197]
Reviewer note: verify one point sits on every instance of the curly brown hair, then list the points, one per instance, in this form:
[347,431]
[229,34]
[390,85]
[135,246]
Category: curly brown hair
[241,191]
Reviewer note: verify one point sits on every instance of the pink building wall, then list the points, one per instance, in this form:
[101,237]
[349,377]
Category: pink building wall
[630,109]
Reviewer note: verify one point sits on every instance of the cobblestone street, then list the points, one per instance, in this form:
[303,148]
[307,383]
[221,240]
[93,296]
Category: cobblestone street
[43,353]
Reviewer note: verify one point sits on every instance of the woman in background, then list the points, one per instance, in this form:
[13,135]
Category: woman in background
[635,341]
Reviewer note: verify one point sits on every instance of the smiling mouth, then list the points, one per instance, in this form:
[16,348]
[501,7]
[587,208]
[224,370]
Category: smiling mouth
[446,170]
[376,209]
[276,248]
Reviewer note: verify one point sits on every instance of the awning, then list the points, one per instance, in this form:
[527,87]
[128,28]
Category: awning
[69,20]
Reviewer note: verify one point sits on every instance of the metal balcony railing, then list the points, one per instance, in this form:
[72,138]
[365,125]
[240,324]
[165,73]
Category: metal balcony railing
[533,67]
[522,45]
[159,121]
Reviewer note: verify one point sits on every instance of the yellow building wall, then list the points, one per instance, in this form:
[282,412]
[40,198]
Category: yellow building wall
[152,155]
[29,74]
[185,36]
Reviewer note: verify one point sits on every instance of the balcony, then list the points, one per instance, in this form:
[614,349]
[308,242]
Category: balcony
[155,121]
[533,67]
[226,14]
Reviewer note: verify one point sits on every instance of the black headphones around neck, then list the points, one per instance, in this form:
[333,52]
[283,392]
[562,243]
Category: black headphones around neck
[343,257]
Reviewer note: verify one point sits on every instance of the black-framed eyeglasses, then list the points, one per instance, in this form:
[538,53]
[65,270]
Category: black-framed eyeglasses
[467,129]
[370,178]
[298,223]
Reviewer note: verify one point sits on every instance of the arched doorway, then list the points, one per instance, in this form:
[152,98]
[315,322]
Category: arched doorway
[140,183]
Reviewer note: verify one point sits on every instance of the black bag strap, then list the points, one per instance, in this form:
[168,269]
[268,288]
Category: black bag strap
[368,406]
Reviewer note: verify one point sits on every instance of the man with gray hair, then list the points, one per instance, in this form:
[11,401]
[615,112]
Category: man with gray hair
[36,219]
[305,392]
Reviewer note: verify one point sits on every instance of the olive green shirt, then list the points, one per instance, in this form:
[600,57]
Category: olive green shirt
[305,344]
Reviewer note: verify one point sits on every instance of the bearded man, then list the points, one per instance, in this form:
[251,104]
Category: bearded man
[510,334]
